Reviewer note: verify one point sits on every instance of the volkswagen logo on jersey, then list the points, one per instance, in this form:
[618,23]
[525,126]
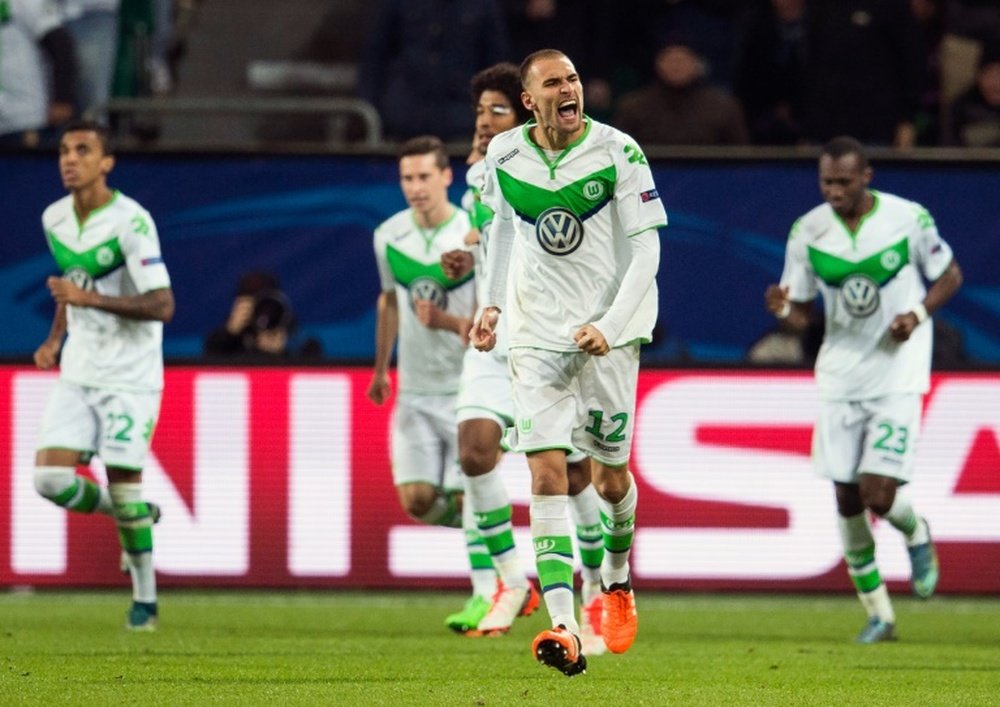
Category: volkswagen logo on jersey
[80,277]
[428,289]
[559,231]
[860,294]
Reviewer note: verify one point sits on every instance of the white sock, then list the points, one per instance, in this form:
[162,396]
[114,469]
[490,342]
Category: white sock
[487,495]
[584,510]
[550,526]
[618,520]
[903,518]
[482,574]
[140,563]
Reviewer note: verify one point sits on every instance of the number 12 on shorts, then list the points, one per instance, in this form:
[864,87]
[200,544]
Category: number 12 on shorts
[616,422]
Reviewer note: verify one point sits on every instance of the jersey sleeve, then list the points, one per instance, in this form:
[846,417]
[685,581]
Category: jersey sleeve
[141,249]
[798,275]
[930,252]
[386,279]
[637,200]
[501,239]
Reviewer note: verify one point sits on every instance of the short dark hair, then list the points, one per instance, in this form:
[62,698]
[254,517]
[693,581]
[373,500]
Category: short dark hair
[102,131]
[530,60]
[425,145]
[845,145]
[504,78]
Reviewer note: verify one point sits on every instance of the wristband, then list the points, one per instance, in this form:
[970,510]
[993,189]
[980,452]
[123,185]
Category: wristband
[920,312]
[786,309]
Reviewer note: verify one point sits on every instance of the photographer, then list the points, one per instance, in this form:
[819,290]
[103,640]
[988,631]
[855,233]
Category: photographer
[260,323]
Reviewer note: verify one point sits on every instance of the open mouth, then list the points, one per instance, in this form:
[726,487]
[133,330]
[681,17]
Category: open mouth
[568,109]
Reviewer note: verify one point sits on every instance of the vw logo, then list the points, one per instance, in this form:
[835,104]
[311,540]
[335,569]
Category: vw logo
[559,231]
[860,295]
[80,278]
[428,289]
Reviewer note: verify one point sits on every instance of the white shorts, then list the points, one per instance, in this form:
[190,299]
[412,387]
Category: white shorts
[425,441]
[867,437]
[485,389]
[117,426]
[576,401]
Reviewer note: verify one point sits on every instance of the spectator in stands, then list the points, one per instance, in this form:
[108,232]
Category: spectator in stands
[930,15]
[769,76]
[678,107]
[710,24]
[976,114]
[782,345]
[38,73]
[94,26]
[260,323]
[864,71]
[419,59]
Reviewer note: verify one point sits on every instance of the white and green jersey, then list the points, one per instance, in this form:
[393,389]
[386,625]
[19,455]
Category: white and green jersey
[429,361]
[572,214]
[115,252]
[867,278]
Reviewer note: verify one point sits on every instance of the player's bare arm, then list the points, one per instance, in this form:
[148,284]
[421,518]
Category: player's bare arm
[483,335]
[943,289]
[795,315]
[386,329]
[590,340]
[155,305]
[47,354]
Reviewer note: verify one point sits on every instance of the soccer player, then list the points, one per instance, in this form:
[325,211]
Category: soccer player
[868,253]
[577,211]
[486,409]
[430,313]
[111,303]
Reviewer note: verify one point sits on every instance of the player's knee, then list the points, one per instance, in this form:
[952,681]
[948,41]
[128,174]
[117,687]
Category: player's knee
[477,459]
[612,483]
[54,481]
[878,501]
[879,506]
[418,500]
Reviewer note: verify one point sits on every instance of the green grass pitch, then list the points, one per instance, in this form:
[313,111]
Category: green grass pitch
[391,648]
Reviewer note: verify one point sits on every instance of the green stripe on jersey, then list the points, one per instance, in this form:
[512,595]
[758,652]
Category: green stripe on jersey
[96,262]
[880,267]
[405,269]
[583,197]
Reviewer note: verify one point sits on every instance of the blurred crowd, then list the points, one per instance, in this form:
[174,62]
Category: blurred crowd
[669,72]
[710,72]
[63,59]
